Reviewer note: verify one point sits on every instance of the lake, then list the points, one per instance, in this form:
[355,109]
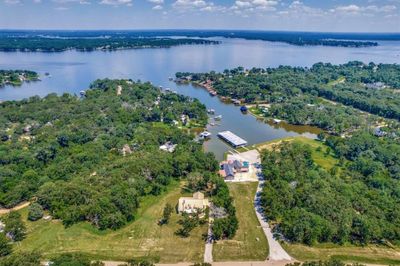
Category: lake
[73,71]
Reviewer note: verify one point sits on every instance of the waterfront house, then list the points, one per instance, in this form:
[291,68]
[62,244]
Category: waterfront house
[193,204]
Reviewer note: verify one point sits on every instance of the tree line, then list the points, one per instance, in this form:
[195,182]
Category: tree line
[299,94]
[54,44]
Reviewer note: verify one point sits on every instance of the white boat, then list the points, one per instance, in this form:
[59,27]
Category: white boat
[211,111]
[276,121]
[205,134]
[218,117]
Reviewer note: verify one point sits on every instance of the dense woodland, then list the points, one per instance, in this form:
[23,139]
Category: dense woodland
[356,201]
[94,158]
[310,96]
[53,44]
[17,77]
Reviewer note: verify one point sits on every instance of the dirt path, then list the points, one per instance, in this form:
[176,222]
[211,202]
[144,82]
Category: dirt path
[16,208]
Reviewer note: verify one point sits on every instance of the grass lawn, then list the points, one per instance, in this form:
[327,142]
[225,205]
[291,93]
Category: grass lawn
[244,246]
[141,238]
[319,150]
[370,254]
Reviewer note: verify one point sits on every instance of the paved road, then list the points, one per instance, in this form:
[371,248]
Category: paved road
[276,252]
[208,257]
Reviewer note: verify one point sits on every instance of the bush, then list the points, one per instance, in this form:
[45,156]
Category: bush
[5,247]
[35,212]
[73,259]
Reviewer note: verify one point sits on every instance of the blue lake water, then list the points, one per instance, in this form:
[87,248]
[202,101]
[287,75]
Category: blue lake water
[73,71]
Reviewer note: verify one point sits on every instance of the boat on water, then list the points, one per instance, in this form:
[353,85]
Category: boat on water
[243,109]
[213,93]
[218,117]
[205,134]
[211,111]
[276,121]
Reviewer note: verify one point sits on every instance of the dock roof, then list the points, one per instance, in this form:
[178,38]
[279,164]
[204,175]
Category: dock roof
[232,138]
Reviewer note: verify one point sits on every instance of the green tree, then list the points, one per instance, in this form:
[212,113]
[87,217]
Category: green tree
[168,209]
[15,228]
[35,212]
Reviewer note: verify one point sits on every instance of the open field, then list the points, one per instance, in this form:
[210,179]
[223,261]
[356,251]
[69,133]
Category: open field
[370,254]
[244,246]
[141,238]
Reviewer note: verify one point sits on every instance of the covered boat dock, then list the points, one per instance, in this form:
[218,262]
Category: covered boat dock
[232,139]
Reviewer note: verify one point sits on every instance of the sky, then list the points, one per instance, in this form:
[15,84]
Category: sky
[291,15]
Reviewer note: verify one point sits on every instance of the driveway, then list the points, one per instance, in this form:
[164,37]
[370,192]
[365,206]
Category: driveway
[276,252]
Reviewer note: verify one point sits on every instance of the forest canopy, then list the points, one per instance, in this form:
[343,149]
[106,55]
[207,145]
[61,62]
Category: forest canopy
[356,201]
[94,157]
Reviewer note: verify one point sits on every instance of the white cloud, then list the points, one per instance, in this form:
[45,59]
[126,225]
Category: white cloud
[116,2]
[157,2]
[82,2]
[12,2]
[348,9]
[157,7]
[189,3]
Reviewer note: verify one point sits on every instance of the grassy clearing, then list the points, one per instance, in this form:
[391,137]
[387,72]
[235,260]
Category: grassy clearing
[370,254]
[320,152]
[244,246]
[141,238]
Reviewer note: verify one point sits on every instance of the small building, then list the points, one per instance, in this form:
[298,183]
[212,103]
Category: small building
[193,204]
[168,146]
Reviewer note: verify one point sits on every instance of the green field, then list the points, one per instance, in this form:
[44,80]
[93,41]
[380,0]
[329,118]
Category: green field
[244,246]
[141,238]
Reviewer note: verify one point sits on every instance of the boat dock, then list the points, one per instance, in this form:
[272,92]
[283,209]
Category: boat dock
[232,139]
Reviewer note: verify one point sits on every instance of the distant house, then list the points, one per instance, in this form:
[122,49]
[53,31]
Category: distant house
[168,146]
[376,85]
[193,204]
